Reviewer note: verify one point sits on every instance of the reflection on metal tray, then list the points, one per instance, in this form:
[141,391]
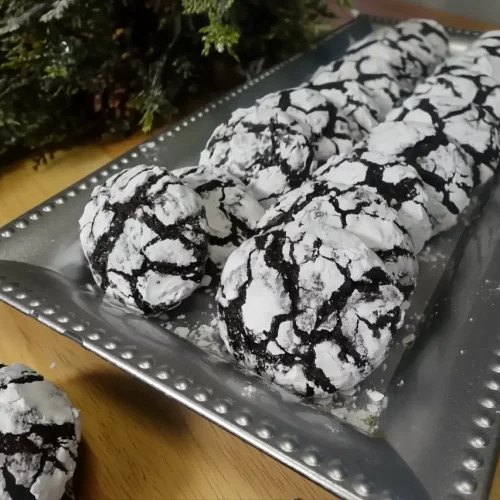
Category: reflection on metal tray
[428,415]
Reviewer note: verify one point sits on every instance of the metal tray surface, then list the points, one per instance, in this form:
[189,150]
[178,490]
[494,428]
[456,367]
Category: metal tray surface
[423,426]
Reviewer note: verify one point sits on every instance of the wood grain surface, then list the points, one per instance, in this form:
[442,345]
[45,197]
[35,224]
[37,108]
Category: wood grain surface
[139,445]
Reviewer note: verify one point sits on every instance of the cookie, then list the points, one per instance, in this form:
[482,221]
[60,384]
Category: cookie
[144,234]
[268,150]
[372,72]
[474,60]
[440,162]
[431,32]
[312,309]
[470,126]
[390,177]
[357,210]
[39,435]
[493,35]
[469,86]
[408,62]
[331,132]
[355,101]
[489,42]
[232,213]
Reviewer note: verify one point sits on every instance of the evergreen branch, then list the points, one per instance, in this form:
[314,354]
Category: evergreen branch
[217,7]
[222,37]
[72,70]
[14,23]
[57,10]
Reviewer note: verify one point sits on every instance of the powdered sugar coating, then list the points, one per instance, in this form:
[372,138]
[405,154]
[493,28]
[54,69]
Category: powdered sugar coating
[473,60]
[372,72]
[357,210]
[39,435]
[331,132]
[310,308]
[469,86]
[431,32]
[440,162]
[232,213]
[471,126]
[489,42]
[493,35]
[397,182]
[409,60]
[268,150]
[144,234]
[355,101]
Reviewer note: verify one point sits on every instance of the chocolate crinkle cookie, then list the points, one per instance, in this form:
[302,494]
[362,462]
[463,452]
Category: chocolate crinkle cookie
[311,308]
[360,212]
[431,32]
[39,436]
[472,88]
[406,65]
[332,133]
[232,213]
[409,56]
[474,60]
[144,234]
[441,163]
[390,177]
[357,102]
[489,42]
[268,150]
[373,73]
[469,125]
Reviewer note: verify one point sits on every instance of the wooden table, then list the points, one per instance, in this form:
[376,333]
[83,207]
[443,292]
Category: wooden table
[139,445]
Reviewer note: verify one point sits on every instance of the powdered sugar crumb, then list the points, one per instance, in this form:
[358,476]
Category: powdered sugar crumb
[182,331]
[206,280]
[409,340]
[364,419]
[375,396]
[249,391]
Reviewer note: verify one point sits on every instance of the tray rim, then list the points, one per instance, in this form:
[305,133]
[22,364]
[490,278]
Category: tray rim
[349,486]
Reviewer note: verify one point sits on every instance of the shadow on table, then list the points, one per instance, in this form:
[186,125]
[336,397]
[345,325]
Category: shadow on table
[130,434]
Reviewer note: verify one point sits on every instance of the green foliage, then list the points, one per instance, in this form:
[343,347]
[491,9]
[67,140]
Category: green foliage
[74,69]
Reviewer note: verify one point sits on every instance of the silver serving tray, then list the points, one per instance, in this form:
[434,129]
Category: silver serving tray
[434,433]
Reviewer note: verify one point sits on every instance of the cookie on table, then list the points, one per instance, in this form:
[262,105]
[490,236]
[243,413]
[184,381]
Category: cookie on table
[441,163]
[373,73]
[390,177]
[331,131]
[357,210]
[471,126]
[311,308]
[232,213]
[39,435]
[354,100]
[144,234]
[469,86]
[268,150]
